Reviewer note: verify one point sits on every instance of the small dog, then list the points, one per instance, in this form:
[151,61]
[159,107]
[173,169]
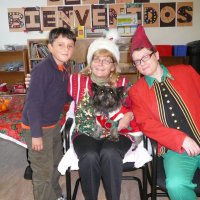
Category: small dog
[106,101]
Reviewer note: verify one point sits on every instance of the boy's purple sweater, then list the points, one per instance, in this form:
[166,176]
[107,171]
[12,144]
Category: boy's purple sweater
[46,96]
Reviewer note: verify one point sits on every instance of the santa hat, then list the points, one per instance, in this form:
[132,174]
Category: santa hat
[140,40]
[108,43]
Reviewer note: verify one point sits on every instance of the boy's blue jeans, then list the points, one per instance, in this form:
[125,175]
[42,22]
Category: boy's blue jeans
[180,169]
[44,164]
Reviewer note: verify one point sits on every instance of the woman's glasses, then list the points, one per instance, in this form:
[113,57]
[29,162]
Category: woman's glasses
[103,61]
[143,59]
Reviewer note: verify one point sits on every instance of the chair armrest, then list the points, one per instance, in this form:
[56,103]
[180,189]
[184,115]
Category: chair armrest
[153,166]
[154,146]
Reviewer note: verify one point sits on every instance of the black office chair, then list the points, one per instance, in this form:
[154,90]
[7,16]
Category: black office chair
[157,180]
[127,167]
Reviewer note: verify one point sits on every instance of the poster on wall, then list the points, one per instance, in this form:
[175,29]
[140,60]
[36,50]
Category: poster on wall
[151,15]
[32,19]
[16,19]
[55,2]
[167,14]
[114,10]
[66,16]
[184,13]
[99,17]
[48,18]
[127,20]
[82,16]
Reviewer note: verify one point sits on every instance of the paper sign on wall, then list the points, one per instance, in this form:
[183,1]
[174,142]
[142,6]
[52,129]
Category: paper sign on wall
[167,14]
[54,2]
[66,16]
[82,16]
[106,1]
[151,15]
[72,2]
[92,15]
[16,19]
[90,1]
[99,17]
[32,18]
[114,10]
[123,1]
[49,18]
[141,1]
[127,20]
[184,13]
[135,8]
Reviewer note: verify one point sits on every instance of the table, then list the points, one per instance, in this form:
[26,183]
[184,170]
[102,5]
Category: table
[10,121]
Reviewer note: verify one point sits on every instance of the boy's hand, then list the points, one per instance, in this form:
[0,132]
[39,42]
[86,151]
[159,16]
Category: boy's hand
[37,144]
[191,147]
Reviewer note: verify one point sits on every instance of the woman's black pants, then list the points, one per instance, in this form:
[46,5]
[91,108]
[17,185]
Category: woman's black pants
[101,159]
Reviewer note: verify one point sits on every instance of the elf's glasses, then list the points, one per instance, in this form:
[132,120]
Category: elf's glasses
[143,59]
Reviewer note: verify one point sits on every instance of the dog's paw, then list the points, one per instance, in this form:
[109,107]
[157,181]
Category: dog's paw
[134,146]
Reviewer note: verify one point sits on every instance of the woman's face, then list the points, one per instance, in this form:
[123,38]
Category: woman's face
[102,66]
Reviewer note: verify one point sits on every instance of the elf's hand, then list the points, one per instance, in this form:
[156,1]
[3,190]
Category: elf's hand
[125,121]
[191,147]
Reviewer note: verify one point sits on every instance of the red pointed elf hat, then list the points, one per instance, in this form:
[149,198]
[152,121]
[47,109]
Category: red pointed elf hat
[140,40]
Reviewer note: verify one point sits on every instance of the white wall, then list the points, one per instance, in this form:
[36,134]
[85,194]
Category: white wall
[173,35]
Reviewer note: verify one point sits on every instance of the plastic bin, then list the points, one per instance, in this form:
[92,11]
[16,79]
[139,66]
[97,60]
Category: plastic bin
[179,50]
[194,54]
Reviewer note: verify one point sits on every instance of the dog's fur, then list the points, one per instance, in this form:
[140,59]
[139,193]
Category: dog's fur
[105,100]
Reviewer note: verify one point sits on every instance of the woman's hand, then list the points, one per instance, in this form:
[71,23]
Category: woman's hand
[125,121]
[27,80]
[191,147]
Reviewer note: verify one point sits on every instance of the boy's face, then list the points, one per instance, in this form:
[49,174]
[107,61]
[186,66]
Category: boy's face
[62,49]
[146,61]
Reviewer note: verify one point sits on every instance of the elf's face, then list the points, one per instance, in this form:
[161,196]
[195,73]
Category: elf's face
[146,62]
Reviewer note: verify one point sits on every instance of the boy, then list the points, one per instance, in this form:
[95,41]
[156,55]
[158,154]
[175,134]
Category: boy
[44,103]
[166,106]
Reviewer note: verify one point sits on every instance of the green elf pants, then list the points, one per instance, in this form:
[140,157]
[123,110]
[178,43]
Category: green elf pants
[180,169]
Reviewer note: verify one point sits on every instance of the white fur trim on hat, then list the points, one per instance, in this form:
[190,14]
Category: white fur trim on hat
[103,43]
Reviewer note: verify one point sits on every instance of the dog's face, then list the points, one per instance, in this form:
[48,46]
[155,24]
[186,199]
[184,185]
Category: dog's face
[106,99]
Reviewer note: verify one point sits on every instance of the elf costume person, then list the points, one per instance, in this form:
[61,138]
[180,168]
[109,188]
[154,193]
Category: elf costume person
[165,102]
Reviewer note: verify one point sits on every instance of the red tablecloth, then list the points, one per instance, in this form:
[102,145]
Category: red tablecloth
[10,121]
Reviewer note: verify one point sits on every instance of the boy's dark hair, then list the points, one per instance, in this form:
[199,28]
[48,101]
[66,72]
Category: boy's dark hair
[65,32]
